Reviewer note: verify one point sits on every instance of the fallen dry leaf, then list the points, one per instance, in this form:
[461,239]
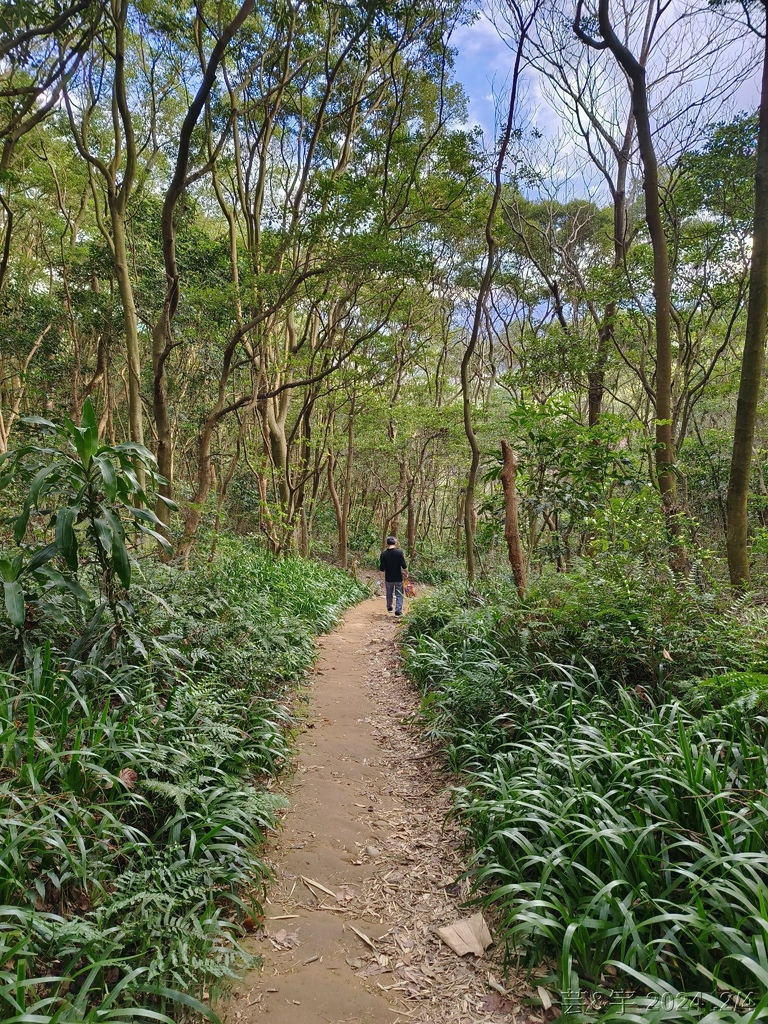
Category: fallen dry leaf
[345,894]
[128,777]
[494,1003]
[372,969]
[284,939]
[363,936]
[544,996]
[469,935]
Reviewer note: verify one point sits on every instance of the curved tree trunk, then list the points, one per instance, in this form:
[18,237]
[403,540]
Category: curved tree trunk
[339,511]
[635,72]
[162,342]
[753,359]
[524,21]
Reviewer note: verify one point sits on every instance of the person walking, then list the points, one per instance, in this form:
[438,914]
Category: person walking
[392,563]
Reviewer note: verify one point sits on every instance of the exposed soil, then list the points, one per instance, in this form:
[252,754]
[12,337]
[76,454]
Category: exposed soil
[365,867]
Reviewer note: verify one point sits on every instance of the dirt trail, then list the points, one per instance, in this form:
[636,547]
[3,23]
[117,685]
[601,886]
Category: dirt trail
[365,868]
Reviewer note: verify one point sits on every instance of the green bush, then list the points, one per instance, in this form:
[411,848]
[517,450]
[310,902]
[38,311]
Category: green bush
[620,834]
[746,689]
[134,775]
[634,623]
[622,838]
[436,568]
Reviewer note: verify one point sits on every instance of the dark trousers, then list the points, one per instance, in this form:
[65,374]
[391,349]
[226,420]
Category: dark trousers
[395,589]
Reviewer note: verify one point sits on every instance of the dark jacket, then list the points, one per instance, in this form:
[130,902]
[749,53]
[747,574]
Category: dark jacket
[392,563]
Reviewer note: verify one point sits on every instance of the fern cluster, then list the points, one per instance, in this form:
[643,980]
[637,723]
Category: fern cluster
[134,787]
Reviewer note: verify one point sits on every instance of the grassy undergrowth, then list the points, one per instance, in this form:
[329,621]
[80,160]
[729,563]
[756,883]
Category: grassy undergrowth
[135,767]
[613,764]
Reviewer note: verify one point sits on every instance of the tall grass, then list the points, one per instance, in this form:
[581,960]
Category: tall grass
[619,834]
[134,788]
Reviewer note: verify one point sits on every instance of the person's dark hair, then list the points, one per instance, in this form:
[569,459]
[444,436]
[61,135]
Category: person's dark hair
[391,540]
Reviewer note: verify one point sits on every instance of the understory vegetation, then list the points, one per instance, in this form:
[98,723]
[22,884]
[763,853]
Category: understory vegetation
[143,716]
[609,736]
[273,284]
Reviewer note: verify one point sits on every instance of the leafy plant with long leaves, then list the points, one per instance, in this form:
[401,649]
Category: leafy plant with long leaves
[82,511]
[135,756]
[620,839]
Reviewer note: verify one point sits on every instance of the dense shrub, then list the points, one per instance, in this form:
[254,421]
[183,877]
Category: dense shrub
[634,624]
[134,785]
[620,833]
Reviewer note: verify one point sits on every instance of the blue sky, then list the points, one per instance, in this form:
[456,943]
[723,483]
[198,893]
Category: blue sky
[482,65]
[483,62]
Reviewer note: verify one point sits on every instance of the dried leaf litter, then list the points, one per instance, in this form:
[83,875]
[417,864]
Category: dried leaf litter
[418,857]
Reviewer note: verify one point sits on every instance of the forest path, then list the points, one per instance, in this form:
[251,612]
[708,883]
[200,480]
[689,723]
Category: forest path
[365,866]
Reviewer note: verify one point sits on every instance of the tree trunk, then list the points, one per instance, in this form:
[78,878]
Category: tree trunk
[162,343]
[469,494]
[346,496]
[605,332]
[752,361]
[161,414]
[411,529]
[635,72]
[202,490]
[523,26]
[459,521]
[511,525]
[133,352]
[341,519]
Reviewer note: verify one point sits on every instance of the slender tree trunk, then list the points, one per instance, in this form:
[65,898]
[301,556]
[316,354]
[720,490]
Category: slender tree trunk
[459,521]
[132,348]
[635,71]
[596,376]
[524,22]
[411,528]
[341,519]
[162,343]
[511,524]
[469,495]
[224,483]
[202,490]
[752,361]
[277,413]
[346,495]
[162,416]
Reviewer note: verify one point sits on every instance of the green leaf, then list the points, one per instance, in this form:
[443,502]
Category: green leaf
[182,997]
[108,476]
[65,536]
[137,449]
[41,557]
[63,582]
[86,442]
[79,442]
[88,419]
[159,537]
[20,525]
[37,482]
[145,514]
[104,534]
[37,421]
[120,561]
[130,476]
[8,570]
[14,603]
